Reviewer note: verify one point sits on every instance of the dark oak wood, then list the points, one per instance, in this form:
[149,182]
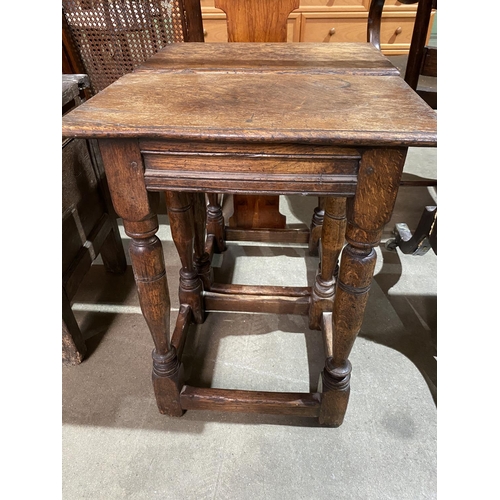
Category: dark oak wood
[179,335]
[332,112]
[316,226]
[202,257]
[285,291]
[122,160]
[288,235]
[367,213]
[316,58]
[215,225]
[180,212]
[282,403]
[187,132]
[275,304]
[332,242]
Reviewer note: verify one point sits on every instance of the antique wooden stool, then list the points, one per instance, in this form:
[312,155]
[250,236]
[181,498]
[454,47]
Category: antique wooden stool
[332,120]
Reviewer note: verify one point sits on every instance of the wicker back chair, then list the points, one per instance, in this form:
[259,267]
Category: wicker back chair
[106,39]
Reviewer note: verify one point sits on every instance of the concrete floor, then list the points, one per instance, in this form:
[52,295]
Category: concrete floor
[117,446]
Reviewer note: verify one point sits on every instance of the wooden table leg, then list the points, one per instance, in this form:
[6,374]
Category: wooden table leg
[215,223]
[125,174]
[367,213]
[201,256]
[332,241]
[180,212]
[316,226]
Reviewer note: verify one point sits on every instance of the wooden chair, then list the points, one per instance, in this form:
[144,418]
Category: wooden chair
[89,226]
[106,40]
[102,41]
[420,73]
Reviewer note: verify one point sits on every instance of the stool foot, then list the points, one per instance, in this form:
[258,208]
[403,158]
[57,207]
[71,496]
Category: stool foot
[215,223]
[168,375]
[316,226]
[336,390]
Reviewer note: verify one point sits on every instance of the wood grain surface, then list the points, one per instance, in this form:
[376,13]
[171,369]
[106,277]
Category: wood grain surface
[321,109]
[342,58]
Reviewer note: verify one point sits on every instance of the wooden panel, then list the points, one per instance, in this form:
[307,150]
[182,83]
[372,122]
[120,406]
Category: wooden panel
[215,28]
[296,236]
[257,20]
[306,108]
[248,168]
[256,303]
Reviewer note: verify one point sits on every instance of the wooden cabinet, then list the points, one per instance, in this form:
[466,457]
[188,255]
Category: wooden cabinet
[331,21]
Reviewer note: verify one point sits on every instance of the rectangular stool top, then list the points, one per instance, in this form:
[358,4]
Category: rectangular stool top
[300,106]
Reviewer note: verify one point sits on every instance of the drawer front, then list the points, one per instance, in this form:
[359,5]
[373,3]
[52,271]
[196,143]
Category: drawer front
[334,5]
[329,28]
[215,28]
[396,31]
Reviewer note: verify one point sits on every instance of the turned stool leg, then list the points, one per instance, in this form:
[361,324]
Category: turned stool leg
[316,226]
[332,241]
[201,256]
[367,213]
[125,173]
[73,343]
[148,264]
[180,212]
[215,223]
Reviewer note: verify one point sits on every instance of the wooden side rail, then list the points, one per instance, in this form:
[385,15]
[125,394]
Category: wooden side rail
[274,304]
[282,403]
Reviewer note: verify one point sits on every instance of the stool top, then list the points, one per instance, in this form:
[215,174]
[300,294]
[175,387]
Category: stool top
[261,93]
[338,58]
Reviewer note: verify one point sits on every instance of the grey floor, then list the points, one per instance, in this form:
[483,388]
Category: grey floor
[117,446]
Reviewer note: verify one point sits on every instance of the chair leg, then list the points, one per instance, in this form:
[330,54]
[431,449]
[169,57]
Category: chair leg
[73,343]
[112,253]
[420,242]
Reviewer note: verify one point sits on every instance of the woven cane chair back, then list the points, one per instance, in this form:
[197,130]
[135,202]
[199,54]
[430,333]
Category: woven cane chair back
[112,37]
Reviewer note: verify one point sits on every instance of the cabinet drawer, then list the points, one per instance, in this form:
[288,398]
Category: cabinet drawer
[215,27]
[396,30]
[324,27]
[334,5]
